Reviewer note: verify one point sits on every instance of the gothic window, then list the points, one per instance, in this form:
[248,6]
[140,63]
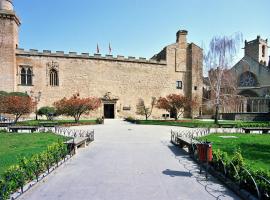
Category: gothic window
[54,81]
[29,77]
[263,51]
[248,79]
[23,76]
[26,76]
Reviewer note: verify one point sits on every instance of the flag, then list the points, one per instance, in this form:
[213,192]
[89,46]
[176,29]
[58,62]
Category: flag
[97,48]
[110,49]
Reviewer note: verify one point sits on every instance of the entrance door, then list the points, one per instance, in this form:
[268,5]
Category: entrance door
[109,111]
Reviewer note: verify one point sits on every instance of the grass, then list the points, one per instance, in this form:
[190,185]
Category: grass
[193,123]
[22,144]
[60,122]
[255,148]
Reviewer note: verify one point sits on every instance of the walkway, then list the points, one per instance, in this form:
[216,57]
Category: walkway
[129,162]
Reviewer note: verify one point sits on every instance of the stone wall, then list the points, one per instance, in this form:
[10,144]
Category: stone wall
[127,79]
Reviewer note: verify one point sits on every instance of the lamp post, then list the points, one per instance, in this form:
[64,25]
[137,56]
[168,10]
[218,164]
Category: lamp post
[36,98]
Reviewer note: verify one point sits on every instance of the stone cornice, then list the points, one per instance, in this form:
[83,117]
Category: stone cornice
[10,15]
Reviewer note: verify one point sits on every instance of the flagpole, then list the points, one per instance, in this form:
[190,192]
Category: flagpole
[110,49]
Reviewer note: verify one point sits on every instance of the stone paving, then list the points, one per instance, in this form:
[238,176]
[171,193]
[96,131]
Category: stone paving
[129,162]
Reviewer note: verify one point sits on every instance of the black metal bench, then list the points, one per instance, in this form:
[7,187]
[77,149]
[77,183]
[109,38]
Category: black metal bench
[17,128]
[264,130]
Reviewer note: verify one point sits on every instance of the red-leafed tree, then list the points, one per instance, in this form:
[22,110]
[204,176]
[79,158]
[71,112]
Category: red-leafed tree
[175,103]
[76,106]
[17,106]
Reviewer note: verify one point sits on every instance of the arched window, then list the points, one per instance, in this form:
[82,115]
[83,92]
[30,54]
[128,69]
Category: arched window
[54,81]
[29,76]
[23,77]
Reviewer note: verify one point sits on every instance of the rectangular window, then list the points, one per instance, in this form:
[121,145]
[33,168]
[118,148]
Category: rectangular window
[179,85]
[195,87]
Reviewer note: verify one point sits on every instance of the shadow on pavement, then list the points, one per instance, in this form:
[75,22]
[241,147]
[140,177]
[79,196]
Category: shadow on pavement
[173,173]
[177,151]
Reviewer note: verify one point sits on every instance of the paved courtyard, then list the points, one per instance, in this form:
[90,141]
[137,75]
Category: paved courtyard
[129,162]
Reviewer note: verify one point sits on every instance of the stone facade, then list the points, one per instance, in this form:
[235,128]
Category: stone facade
[118,81]
[253,70]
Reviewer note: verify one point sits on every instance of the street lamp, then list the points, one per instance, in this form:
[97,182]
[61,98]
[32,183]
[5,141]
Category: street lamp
[36,98]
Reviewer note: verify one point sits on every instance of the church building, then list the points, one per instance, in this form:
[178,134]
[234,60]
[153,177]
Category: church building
[253,76]
[119,81]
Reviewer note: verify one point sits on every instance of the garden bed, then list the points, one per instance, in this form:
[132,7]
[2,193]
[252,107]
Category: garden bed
[14,146]
[243,159]
[255,148]
[25,157]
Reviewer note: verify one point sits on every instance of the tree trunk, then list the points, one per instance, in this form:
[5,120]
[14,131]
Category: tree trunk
[77,118]
[176,117]
[217,114]
[16,119]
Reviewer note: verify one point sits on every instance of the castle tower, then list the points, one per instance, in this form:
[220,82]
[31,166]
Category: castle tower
[9,27]
[258,50]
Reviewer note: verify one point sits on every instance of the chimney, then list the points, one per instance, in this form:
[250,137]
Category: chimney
[181,37]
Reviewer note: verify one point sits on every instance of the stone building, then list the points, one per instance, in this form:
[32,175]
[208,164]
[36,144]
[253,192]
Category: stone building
[253,76]
[118,81]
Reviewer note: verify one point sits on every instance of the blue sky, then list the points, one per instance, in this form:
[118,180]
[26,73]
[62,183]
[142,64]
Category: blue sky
[137,27]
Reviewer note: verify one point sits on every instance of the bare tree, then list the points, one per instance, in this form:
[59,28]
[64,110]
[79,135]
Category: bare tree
[143,110]
[218,60]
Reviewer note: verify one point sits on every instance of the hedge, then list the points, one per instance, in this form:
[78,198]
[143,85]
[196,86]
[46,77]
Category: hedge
[31,168]
[235,169]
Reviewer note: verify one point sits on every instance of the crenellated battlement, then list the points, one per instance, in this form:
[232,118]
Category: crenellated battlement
[75,55]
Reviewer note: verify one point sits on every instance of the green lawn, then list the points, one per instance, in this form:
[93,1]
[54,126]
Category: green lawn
[255,148]
[193,123]
[22,144]
[60,122]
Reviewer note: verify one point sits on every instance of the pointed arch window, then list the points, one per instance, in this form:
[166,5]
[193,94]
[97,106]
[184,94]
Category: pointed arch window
[54,78]
[23,76]
[26,76]
[29,76]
